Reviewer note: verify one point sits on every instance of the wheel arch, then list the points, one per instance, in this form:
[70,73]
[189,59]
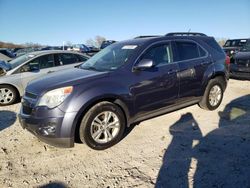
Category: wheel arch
[223,78]
[113,99]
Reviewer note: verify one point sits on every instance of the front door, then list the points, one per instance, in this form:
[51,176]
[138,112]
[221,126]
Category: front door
[36,68]
[156,87]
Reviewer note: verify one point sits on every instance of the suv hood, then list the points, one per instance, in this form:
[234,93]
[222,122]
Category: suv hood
[64,78]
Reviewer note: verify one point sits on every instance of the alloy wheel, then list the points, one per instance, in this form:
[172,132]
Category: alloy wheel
[105,127]
[215,95]
[6,96]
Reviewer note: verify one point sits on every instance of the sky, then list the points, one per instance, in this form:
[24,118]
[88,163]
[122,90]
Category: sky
[50,22]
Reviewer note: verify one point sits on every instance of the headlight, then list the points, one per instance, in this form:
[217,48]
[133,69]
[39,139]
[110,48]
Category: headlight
[55,97]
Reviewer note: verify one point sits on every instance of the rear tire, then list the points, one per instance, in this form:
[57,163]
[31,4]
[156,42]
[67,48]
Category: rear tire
[8,95]
[102,126]
[213,95]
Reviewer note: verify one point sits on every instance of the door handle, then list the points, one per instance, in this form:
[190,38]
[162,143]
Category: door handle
[50,72]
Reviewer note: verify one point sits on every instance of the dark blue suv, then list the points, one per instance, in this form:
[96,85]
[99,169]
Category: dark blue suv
[124,84]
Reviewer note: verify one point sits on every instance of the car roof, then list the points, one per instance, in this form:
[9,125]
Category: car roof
[239,39]
[43,52]
[150,39]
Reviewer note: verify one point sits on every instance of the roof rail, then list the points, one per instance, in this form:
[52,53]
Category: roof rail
[146,36]
[185,34]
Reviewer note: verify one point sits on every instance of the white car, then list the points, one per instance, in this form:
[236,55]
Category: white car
[15,75]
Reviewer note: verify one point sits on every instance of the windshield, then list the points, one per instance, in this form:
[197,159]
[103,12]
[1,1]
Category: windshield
[110,58]
[18,61]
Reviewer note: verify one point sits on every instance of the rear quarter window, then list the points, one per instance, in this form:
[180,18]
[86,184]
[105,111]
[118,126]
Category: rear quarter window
[213,44]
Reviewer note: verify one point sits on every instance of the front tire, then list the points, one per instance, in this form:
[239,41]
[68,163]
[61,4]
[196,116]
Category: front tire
[102,126]
[213,95]
[8,95]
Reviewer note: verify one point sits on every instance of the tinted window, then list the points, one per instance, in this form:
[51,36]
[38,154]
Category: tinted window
[160,54]
[187,50]
[67,59]
[202,52]
[43,62]
[213,44]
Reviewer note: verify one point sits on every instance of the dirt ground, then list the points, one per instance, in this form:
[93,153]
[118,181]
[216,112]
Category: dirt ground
[187,148]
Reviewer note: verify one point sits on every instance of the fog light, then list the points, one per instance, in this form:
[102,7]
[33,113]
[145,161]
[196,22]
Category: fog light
[50,129]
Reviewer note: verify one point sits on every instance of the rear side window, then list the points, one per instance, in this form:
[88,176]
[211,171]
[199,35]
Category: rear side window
[67,59]
[187,50]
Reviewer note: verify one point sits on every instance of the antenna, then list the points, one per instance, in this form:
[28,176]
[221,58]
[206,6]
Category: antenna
[189,30]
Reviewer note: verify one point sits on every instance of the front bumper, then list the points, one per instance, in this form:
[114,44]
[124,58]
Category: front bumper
[55,130]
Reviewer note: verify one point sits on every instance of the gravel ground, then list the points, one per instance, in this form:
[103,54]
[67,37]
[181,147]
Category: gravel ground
[187,148]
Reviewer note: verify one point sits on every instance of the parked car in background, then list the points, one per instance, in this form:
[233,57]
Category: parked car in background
[51,48]
[106,43]
[81,48]
[6,55]
[93,48]
[16,74]
[14,50]
[124,84]
[240,66]
[234,45]
[23,51]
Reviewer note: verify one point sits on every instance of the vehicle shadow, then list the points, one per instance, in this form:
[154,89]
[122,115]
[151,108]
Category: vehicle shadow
[222,156]
[7,118]
[54,185]
[177,158]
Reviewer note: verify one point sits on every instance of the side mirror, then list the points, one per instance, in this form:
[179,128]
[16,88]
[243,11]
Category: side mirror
[30,68]
[34,68]
[144,64]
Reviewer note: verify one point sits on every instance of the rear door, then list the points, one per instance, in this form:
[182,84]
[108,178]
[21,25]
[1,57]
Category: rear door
[193,61]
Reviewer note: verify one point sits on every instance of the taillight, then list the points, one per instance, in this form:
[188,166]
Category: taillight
[227,60]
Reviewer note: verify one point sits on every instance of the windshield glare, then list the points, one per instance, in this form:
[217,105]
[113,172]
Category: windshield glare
[18,61]
[110,58]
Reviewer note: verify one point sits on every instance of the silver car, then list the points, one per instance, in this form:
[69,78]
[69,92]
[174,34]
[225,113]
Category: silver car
[15,75]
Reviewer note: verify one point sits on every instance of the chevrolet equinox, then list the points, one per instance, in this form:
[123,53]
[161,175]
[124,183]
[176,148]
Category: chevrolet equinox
[124,84]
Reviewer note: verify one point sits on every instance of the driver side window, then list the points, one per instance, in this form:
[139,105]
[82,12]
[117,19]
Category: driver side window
[42,62]
[160,54]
